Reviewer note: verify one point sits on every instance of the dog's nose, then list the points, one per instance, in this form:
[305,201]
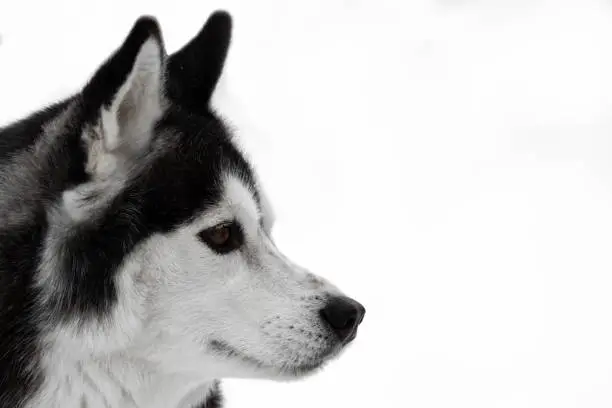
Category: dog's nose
[344,315]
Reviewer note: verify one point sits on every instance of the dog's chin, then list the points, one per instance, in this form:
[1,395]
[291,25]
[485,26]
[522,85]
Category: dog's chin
[281,371]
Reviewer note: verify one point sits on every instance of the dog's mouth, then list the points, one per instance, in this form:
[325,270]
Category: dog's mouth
[296,370]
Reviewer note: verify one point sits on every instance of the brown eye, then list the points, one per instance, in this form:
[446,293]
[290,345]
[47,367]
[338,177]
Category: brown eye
[220,235]
[223,238]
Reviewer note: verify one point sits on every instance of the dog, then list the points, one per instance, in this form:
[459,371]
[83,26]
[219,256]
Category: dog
[137,264]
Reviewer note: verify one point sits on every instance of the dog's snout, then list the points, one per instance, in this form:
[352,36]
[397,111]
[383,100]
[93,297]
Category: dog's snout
[343,314]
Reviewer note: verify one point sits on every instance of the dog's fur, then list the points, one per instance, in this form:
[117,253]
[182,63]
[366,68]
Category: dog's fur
[109,294]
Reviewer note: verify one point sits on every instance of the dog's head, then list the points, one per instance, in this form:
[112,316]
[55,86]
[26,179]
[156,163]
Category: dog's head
[164,246]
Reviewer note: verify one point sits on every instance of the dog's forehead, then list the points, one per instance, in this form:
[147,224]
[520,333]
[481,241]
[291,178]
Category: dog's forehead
[239,197]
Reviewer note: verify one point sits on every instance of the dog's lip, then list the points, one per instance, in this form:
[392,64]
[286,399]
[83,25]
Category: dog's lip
[304,368]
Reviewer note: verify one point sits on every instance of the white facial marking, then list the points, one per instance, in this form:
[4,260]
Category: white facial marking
[253,300]
[189,315]
[185,313]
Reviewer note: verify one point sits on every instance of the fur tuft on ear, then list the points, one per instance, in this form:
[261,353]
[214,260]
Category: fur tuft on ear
[123,100]
[194,70]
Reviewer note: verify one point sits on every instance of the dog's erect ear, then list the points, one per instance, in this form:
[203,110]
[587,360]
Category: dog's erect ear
[194,70]
[123,100]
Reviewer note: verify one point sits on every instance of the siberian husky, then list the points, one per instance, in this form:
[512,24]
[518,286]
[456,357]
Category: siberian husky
[137,266]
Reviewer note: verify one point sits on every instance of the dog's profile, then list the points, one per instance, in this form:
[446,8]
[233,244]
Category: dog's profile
[137,267]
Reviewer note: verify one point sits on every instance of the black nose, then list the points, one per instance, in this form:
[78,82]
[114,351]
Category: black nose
[344,315]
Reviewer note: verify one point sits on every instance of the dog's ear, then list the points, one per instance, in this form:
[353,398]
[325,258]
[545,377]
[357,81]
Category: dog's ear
[123,100]
[194,70]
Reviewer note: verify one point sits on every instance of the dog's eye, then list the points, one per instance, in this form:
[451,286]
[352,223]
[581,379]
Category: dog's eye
[223,238]
[220,235]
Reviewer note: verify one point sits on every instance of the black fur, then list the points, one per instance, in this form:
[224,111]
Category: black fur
[159,199]
[194,70]
[20,249]
[215,398]
[23,133]
[102,88]
[19,351]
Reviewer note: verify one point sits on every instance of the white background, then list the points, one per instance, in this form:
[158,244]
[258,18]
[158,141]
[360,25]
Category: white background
[448,163]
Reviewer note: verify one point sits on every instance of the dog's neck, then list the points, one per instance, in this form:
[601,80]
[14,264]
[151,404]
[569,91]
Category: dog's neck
[122,382]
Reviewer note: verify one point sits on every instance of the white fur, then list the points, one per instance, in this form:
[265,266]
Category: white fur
[175,297]
[180,305]
[124,129]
